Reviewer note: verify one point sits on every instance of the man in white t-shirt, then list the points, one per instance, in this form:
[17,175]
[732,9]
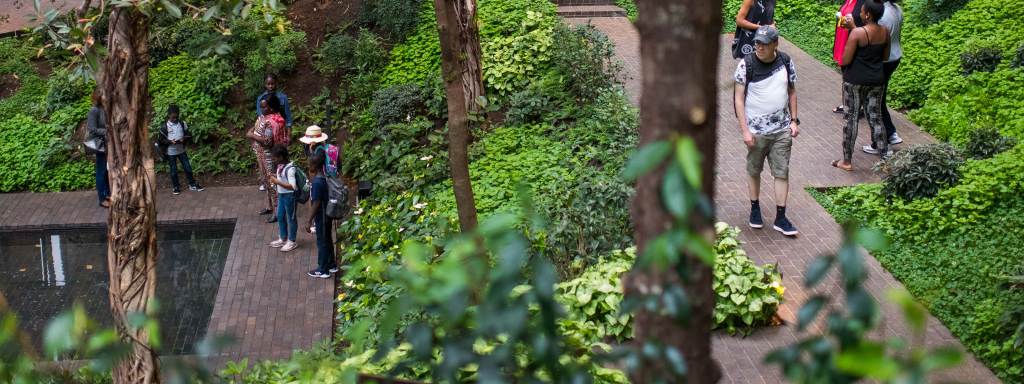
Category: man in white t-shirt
[765,97]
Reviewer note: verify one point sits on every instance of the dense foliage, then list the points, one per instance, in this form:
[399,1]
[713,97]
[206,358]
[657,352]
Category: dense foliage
[955,251]
[920,171]
[986,142]
[748,294]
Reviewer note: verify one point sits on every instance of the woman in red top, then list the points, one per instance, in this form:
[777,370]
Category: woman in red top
[270,129]
[846,11]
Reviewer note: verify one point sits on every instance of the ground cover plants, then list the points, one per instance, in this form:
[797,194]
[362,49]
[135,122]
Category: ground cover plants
[956,252]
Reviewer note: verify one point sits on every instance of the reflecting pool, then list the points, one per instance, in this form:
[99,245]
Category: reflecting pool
[43,273]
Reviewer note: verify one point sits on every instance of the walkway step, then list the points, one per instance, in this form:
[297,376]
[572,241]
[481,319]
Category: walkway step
[562,3]
[580,11]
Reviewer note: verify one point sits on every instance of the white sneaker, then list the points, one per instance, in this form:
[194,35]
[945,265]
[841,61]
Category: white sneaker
[277,243]
[289,246]
[263,187]
[870,150]
[895,139]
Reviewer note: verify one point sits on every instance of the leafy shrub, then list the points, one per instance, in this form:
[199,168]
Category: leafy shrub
[23,140]
[192,36]
[277,57]
[30,96]
[342,52]
[399,157]
[397,103]
[934,11]
[64,89]
[748,294]
[946,253]
[593,220]
[419,57]
[921,171]
[986,142]
[396,18]
[586,57]
[980,57]
[592,301]
[510,61]
[1018,57]
[958,104]
[506,157]
[176,81]
[605,131]
[630,7]
[544,99]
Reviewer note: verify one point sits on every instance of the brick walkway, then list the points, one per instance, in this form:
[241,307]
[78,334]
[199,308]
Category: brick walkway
[813,150]
[265,298]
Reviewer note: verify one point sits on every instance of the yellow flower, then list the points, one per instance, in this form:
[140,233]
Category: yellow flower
[778,288]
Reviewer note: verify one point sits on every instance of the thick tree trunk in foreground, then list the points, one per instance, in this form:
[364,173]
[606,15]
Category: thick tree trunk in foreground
[131,249]
[463,79]
[679,42]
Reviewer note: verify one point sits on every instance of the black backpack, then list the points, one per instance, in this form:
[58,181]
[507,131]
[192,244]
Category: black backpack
[301,184]
[748,60]
[337,199]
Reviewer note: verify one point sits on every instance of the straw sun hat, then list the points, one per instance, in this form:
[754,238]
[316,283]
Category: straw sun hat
[314,135]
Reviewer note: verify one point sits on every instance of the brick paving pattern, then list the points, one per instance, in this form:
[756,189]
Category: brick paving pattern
[265,298]
[813,151]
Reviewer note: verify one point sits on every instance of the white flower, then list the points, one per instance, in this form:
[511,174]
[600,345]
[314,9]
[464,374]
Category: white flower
[401,229]
[420,205]
[427,158]
[358,211]
[350,283]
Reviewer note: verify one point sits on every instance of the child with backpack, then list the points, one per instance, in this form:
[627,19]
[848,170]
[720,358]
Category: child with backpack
[319,220]
[171,143]
[289,182]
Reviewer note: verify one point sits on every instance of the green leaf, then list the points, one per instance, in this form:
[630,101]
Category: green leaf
[817,270]
[872,239]
[809,311]
[211,12]
[868,360]
[674,193]
[688,158]
[59,334]
[942,358]
[645,159]
[171,8]
[913,311]
[676,360]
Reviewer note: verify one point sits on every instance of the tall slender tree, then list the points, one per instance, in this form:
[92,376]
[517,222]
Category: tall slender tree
[679,41]
[464,87]
[131,240]
[121,71]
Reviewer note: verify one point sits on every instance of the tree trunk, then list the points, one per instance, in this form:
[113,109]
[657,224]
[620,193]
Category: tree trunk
[463,79]
[131,249]
[679,41]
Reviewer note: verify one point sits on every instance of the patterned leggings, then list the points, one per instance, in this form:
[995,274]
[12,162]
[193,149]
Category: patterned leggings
[868,97]
[266,166]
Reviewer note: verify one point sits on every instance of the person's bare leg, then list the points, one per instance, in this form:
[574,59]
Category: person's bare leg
[754,187]
[781,191]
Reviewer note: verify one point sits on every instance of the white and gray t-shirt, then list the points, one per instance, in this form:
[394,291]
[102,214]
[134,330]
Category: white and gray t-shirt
[175,131]
[767,97]
[286,173]
[892,20]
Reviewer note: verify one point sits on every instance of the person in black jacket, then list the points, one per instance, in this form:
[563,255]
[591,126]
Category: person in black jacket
[173,134]
[96,122]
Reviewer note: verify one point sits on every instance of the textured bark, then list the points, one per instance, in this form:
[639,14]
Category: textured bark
[679,41]
[463,80]
[131,249]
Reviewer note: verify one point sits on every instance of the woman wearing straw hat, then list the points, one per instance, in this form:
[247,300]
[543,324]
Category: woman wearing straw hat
[315,140]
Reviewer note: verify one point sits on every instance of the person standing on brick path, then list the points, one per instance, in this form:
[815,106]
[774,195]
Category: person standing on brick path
[751,15]
[318,221]
[892,20]
[766,108]
[863,82]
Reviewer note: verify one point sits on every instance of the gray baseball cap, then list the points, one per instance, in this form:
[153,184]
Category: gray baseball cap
[766,34]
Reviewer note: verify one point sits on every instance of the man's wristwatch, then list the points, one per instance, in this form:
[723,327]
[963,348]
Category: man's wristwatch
[796,120]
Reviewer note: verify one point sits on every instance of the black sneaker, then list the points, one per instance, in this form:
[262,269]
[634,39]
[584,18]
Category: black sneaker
[783,225]
[196,188]
[317,274]
[176,191]
[755,217]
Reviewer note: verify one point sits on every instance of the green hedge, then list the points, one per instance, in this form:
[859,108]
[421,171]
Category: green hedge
[514,35]
[954,251]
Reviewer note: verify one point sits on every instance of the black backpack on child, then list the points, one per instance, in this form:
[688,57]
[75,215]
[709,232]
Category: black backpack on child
[337,199]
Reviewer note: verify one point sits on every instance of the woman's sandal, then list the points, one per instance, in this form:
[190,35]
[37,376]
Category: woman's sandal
[839,109]
[105,203]
[835,163]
